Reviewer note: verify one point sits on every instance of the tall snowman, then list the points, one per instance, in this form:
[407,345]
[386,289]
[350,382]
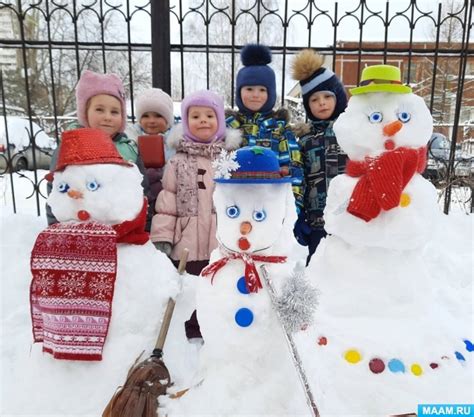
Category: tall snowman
[94,307]
[244,364]
[387,335]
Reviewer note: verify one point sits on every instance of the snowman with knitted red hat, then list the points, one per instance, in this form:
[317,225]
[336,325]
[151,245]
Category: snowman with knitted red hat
[391,332]
[93,308]
[244,364]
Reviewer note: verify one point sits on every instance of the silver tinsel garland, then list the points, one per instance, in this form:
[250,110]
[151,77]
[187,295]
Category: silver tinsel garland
[297,302]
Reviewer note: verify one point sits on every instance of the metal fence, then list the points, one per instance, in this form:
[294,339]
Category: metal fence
[184,45]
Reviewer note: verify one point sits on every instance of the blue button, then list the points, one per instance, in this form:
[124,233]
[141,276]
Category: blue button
[242,286]
[459,356]
[396,365]
[244,317]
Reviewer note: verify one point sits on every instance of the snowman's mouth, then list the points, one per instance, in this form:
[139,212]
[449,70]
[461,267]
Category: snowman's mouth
[244,244]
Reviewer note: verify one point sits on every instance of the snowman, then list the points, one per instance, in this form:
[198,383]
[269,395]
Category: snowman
[244,364]
[94,307]
[389,333]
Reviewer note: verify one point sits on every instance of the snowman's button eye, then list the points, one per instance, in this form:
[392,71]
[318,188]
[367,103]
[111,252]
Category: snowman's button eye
[404,116]
[259,215]
[92,185]
[63,187]
[375,117]
[233,212]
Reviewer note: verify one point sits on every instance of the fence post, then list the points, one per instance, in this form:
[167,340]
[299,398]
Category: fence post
[160,45]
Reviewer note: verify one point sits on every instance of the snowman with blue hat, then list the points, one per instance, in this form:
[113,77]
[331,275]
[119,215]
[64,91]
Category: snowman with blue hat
[244,364]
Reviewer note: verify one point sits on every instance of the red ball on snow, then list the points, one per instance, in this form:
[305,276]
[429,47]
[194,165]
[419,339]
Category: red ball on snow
[376,365]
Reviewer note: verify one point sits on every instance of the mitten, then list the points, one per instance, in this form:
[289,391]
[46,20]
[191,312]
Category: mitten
[165,247]
[302,230]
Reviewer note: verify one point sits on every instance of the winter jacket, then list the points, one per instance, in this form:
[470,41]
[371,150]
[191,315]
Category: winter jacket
[273,131]
[323,159]
[128,150]
[185,213]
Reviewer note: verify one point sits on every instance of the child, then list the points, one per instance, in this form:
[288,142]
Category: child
[324,99]
[255,96]
[154,110]
[186,216]
[100,100]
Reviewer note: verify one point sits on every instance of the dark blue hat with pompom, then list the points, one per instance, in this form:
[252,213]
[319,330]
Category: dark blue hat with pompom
[256,72]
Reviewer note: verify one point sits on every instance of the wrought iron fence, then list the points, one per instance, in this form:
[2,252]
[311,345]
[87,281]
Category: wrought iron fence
[181,45]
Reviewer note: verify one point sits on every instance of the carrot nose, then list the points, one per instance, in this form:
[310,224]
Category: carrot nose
[393,127]
[74,194]
[245,228]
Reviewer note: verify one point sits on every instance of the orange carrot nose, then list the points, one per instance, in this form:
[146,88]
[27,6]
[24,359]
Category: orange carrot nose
[391,128]
[245,228]
[74,194]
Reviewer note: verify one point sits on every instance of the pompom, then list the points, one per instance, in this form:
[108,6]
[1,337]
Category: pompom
[297,303]
[255,54]
[305,64]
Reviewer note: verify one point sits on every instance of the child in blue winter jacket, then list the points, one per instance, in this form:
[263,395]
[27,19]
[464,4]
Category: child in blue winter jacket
[255,96]
[324,99]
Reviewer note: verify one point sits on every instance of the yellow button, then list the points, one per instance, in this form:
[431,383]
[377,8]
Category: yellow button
[405,200]
[352,356]
[416,369]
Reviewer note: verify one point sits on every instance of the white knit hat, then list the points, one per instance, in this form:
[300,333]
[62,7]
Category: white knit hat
[155,100]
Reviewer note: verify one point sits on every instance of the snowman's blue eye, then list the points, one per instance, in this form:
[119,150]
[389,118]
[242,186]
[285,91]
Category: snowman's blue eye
[63,187]
[233,212]
[92,185]
[375,117]
[259,215]
[404,116]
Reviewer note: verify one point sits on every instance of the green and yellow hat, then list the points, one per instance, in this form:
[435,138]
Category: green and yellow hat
[380,79]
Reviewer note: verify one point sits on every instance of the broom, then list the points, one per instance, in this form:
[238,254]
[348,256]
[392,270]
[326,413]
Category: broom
[149,379]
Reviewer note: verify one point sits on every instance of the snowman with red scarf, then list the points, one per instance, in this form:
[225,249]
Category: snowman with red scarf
[93,307]
[383,200]
[390,332]
[244,364]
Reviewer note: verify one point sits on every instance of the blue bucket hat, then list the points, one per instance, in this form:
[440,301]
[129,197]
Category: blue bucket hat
[247,165]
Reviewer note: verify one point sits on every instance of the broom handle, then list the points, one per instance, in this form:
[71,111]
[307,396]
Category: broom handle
[165,325]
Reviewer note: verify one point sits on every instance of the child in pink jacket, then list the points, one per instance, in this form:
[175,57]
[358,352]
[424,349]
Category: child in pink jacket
[185,214]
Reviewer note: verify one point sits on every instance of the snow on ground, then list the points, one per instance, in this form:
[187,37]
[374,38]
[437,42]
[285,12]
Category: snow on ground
[448,258]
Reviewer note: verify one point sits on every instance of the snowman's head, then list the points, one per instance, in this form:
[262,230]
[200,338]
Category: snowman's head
[374,123]
[253,218]
[254,201]
[93,182]
[105,193]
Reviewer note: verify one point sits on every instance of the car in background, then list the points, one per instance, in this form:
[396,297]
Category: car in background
[16,154]
[439,148]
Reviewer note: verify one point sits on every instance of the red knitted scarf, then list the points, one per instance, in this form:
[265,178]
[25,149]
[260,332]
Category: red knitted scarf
[74,266]
[252,279]
[382,180]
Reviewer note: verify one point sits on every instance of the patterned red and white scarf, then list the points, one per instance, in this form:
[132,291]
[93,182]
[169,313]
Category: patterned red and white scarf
[74,266]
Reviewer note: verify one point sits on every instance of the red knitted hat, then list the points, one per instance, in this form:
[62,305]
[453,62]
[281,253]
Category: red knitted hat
[86,147]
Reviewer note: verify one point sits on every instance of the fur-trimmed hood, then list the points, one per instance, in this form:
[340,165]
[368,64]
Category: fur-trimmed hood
[301,128]
[233,138]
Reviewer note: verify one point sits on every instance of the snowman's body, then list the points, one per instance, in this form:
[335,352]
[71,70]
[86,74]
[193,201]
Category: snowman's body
[110,194]
[388,325]
[245,367]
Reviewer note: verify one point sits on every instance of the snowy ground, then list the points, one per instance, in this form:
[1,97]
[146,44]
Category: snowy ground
[448,255]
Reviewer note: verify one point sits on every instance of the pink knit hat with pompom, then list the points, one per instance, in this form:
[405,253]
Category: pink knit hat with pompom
[93,84]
